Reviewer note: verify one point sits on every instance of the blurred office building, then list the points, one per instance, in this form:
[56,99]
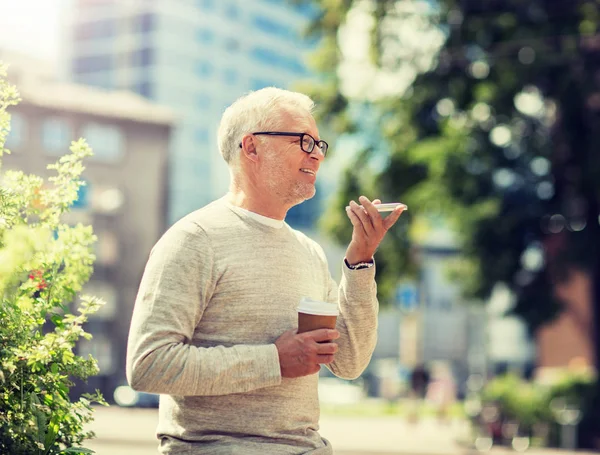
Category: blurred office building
[124,196]
[196,57]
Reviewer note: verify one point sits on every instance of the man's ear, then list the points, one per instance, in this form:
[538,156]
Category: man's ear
[248,146]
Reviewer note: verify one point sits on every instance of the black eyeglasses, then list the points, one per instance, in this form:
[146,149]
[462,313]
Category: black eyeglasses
[307,142]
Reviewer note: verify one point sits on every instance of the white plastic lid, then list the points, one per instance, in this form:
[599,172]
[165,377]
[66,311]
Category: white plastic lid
[310,306]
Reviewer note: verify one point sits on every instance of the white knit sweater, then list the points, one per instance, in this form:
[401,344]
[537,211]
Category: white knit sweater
[219,288]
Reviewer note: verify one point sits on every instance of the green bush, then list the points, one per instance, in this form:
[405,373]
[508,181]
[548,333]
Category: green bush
[530,404]
[43,265]
[577,390]
[518,400]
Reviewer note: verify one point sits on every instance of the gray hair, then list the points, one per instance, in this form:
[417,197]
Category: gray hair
[257,111]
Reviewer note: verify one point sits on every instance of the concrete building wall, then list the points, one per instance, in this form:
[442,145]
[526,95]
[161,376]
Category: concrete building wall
[124,199]
[568,341]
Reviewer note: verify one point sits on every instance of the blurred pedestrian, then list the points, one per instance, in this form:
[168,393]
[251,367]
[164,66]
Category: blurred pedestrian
[441,391]
[214,328]
[419,380]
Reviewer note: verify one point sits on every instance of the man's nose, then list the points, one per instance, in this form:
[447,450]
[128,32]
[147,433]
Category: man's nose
[317,154]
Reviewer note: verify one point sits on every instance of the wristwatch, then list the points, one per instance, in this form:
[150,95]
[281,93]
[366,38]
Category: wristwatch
[360,265]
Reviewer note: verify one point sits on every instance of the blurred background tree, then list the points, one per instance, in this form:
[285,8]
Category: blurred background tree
[483,114]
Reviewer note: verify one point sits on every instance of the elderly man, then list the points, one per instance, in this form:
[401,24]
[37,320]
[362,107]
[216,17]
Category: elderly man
[214,328]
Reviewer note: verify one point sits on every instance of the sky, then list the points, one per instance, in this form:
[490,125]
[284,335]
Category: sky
[31,27]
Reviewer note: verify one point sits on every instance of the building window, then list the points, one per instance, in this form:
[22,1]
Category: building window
[204,101]
[202,135]
[232,44]
[205,69]
[266,56]
[144,23]
[92,64]
[205,36]
[144,89]
[93,30]
[230,76]
[274,28]
[83,200]
[106,141]
[307,10]
[107,248]
[206,5]
[56,135]
[142,57]
[101,79]
[271,58]
[18,131]
[231,11]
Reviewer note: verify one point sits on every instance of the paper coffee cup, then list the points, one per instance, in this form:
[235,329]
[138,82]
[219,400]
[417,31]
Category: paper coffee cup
[315,314]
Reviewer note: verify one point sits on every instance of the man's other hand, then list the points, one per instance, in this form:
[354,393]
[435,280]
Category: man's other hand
[301,354]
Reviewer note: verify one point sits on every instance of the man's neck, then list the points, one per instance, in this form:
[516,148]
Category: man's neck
[257,204]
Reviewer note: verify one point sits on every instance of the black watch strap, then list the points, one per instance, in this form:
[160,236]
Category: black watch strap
[360,265]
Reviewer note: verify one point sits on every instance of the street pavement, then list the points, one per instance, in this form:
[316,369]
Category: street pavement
[123,431]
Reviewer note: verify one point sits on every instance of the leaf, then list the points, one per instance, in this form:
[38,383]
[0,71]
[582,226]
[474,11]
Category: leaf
[57,320]
[53,428]
[77,450]
[41,420]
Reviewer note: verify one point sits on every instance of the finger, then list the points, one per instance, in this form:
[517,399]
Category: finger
[364,217]
[327,348]
[316,368]
[324,359]
[355,220]
[371,211]
[376,201]
[389,221]
[322,335]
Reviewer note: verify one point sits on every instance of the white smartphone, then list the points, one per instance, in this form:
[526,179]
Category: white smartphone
[388,207]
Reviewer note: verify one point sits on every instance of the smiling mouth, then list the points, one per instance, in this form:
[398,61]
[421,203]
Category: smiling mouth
[308,171]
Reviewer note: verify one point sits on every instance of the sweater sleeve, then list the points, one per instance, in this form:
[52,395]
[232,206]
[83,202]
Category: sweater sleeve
[357,322]
[176,287]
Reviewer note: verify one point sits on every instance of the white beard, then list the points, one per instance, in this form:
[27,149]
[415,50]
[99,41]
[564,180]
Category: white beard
[290,192]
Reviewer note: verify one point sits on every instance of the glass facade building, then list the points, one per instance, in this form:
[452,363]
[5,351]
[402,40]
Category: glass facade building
[195,56]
